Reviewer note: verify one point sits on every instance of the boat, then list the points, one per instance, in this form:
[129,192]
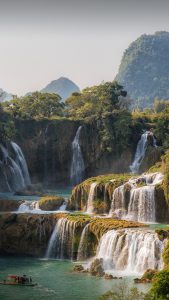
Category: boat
[18,280]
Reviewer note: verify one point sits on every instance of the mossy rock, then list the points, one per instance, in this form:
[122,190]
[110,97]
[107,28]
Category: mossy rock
[50,203]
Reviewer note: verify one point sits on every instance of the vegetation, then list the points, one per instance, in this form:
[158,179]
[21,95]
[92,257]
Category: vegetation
[160,286]
[7,128]
[50,202]
[37,105]
[144,69]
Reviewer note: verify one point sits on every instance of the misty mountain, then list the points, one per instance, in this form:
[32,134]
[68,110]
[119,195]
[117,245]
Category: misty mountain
[62,86]
[144,69]
[4,96]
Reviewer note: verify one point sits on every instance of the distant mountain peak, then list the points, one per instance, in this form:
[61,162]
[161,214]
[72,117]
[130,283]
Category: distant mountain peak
[61,86]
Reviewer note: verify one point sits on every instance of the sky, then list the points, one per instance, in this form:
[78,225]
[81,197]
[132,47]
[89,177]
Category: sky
[42,40]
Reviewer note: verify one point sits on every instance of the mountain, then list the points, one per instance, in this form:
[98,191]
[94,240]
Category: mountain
[4,96]
[144,69]
[62,86]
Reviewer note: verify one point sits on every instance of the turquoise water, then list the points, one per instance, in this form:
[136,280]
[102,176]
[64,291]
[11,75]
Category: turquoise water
[64,192]
[55,281]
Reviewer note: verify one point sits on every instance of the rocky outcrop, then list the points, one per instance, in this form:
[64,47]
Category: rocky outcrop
[10,205]
[103,192]
[50,203]
[139,198]
[29,234]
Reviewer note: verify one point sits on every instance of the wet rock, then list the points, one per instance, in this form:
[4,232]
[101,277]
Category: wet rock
[96,268]
[78,268]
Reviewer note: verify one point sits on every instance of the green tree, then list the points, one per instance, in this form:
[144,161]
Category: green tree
[160,286]
[36,105]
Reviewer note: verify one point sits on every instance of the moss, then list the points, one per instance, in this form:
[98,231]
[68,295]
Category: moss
[121,178]
[50,202]
[166,256]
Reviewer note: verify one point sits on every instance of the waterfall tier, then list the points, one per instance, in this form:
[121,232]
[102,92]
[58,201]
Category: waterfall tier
[141,150]
[62,240]
[91,196]
[77,165]
[14,170]
[134,202]
[130,251]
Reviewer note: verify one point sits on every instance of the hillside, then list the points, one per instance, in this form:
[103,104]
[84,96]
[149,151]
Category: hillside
[4,96]
[62,86]
[144,69]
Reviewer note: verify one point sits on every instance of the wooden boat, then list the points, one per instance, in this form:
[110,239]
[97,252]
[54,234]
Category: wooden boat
[17,280]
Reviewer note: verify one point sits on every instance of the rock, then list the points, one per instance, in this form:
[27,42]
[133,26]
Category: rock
[108,276]
[78,268]
[50,202]
[9,205]
[96,268]
[147,277]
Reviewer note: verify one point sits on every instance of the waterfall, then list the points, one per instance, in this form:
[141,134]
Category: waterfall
[14,171]
[77,164]
[118,201]
[141,203]
[82,249]
[140,151]
[91,195]
[21,162]
[62,240]
[29,206]
[130,250]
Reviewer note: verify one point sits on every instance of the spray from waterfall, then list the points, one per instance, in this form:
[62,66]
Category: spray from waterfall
[132,251]
[141,150]
[77,165]
[91,195]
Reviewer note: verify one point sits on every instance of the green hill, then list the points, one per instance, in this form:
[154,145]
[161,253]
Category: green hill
[144,69]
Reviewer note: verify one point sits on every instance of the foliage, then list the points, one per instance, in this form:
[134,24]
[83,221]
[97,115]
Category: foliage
[50,202]
[7,128]
[36,105]
[144,69]
[97,100]
[160,286]
[160,105]
[122,292]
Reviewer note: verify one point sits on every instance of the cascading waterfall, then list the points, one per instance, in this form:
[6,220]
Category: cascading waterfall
[28,207]
[82,251]
[140,151]
[91,195]
[33,207]
[14,170]
[130,250]
[118,201]
[62,240]
[20,160]
[141,204]
[77,166]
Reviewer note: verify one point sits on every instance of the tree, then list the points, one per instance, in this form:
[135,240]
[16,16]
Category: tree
[160,286]
[97,100]
[36,105]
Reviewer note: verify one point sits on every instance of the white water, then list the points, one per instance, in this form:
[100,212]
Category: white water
[77,165]
[141,204]
[20,160]
[130,251]
[91,195]
[33,207]
[82,251]
[62,239]
[140,151]
[14,170]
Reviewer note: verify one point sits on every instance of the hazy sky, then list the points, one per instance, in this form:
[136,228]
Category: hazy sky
[41,40]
